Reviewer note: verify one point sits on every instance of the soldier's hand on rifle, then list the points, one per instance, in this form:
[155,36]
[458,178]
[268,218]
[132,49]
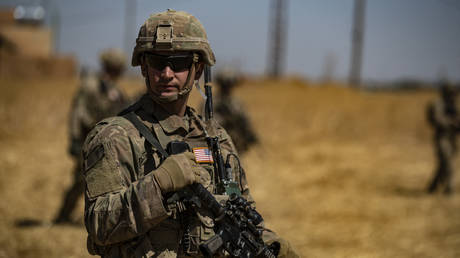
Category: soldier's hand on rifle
[178,171]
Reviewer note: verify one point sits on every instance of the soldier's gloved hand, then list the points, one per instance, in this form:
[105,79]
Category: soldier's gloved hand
[178,171]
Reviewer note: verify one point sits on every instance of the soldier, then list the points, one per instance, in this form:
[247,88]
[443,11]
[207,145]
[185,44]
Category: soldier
[443,116]
[128,173]
[97,98]
[230,113]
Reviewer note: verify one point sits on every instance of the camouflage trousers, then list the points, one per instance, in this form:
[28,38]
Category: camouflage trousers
[445,150]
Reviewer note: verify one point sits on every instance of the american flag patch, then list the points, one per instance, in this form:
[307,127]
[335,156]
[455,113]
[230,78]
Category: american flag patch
[202,155]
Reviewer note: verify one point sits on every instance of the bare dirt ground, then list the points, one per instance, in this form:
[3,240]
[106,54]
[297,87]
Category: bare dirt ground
[339,172]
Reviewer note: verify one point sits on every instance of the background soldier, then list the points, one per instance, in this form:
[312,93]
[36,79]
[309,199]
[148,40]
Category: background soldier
[230,112]
[444,118]
[98,97]
[131,168]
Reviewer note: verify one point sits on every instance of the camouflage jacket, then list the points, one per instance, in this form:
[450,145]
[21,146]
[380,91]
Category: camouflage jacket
[95,100]
[125,212]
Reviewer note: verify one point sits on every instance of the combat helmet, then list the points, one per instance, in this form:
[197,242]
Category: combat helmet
[113,60]
[172,31]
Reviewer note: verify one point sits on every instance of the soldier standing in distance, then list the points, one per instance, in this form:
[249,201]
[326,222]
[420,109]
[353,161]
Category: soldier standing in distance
[444,117]
[230,112]
[98,97]
[129,178]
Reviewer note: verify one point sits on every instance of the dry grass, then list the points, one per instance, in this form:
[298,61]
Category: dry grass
[340,173]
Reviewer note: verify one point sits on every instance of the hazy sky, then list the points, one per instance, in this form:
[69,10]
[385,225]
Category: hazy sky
[403,38]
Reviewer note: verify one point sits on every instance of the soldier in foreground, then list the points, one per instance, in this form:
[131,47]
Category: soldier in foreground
[143,167]
[231,114]
[98,97]
[444,117]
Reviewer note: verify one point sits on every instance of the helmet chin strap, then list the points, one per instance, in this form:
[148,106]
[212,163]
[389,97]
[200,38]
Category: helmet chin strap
[182,93]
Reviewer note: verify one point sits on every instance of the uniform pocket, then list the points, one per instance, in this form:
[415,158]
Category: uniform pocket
[144,249]
[164,238]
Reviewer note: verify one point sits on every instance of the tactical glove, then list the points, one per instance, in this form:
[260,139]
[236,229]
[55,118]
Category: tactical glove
[178,171]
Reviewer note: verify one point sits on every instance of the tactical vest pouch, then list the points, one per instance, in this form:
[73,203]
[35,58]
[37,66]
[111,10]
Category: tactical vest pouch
[176,147]
[201,227]
[206,227]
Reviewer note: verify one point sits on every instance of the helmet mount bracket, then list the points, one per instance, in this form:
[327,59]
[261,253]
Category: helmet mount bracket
[164,35]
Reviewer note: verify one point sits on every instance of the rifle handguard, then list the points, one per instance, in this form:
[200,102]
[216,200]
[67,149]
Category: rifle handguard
[209,200]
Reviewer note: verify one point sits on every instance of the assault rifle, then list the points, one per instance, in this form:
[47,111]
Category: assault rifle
[224,181]
[236,223]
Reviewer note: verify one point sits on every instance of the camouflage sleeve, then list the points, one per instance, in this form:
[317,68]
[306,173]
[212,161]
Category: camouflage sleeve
[117,207]
[79,119]
[75,116]
[82,117]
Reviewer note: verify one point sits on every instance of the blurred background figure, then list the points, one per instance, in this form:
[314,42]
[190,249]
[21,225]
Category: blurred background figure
[444,118]
[97,98]
[230,112]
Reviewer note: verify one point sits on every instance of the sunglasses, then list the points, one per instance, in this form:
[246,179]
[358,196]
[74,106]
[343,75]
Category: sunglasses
[176,63]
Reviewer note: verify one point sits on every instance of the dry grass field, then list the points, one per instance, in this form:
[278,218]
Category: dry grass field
[339,172]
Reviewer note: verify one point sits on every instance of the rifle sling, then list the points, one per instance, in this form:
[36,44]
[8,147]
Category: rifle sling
[146,133]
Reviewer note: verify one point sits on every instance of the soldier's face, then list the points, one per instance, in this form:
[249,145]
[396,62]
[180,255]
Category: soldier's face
[167,73]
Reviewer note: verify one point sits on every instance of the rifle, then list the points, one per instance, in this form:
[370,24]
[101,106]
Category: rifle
[236,223]
[224,180]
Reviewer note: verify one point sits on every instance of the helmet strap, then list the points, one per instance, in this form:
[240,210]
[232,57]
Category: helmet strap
[189,82]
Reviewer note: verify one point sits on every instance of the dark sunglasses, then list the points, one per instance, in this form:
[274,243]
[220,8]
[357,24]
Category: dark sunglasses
[176,63]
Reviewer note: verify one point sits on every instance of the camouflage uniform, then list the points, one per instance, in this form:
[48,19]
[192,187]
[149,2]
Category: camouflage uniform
[128,213]
[444,117]
[231,114]
[95,100]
